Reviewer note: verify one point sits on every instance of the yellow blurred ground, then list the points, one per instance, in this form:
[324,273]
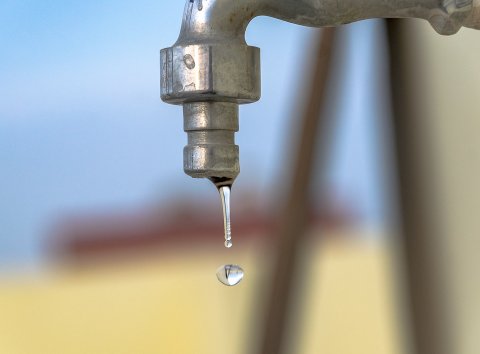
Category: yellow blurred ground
[175,305]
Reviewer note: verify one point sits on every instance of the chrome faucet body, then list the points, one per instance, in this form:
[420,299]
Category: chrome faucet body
[211,70]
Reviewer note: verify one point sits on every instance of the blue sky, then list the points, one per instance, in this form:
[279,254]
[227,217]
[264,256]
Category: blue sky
[82,126]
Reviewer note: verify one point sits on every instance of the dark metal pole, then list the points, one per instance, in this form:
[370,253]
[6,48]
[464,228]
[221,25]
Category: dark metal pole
[293,221]
[420,226]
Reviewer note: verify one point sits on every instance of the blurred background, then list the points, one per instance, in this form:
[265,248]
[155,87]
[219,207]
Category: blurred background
[106,246]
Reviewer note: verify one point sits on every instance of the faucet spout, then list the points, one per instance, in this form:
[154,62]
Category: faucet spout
[211,70]
[219,19]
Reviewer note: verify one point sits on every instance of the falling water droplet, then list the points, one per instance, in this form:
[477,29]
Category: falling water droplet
[230,274]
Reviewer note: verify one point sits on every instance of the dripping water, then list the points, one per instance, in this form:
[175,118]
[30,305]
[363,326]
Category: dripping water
[225,196]
[224,186]
[228,274]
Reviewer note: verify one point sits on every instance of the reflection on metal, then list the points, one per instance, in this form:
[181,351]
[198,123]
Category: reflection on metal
[211,70]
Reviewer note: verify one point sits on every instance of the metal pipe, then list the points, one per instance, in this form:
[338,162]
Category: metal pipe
[211,69]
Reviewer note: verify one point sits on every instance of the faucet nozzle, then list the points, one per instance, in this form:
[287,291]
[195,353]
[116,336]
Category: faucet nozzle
[210,80]
[211,151]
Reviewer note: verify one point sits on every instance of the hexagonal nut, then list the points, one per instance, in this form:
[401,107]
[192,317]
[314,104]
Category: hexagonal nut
[204,72]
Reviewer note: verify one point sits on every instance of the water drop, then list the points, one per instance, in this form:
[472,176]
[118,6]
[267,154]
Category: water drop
[230,274]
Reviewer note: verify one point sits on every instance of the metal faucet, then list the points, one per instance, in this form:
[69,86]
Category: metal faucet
[211,70]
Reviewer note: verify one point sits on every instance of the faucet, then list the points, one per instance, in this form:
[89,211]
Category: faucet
[211,70]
